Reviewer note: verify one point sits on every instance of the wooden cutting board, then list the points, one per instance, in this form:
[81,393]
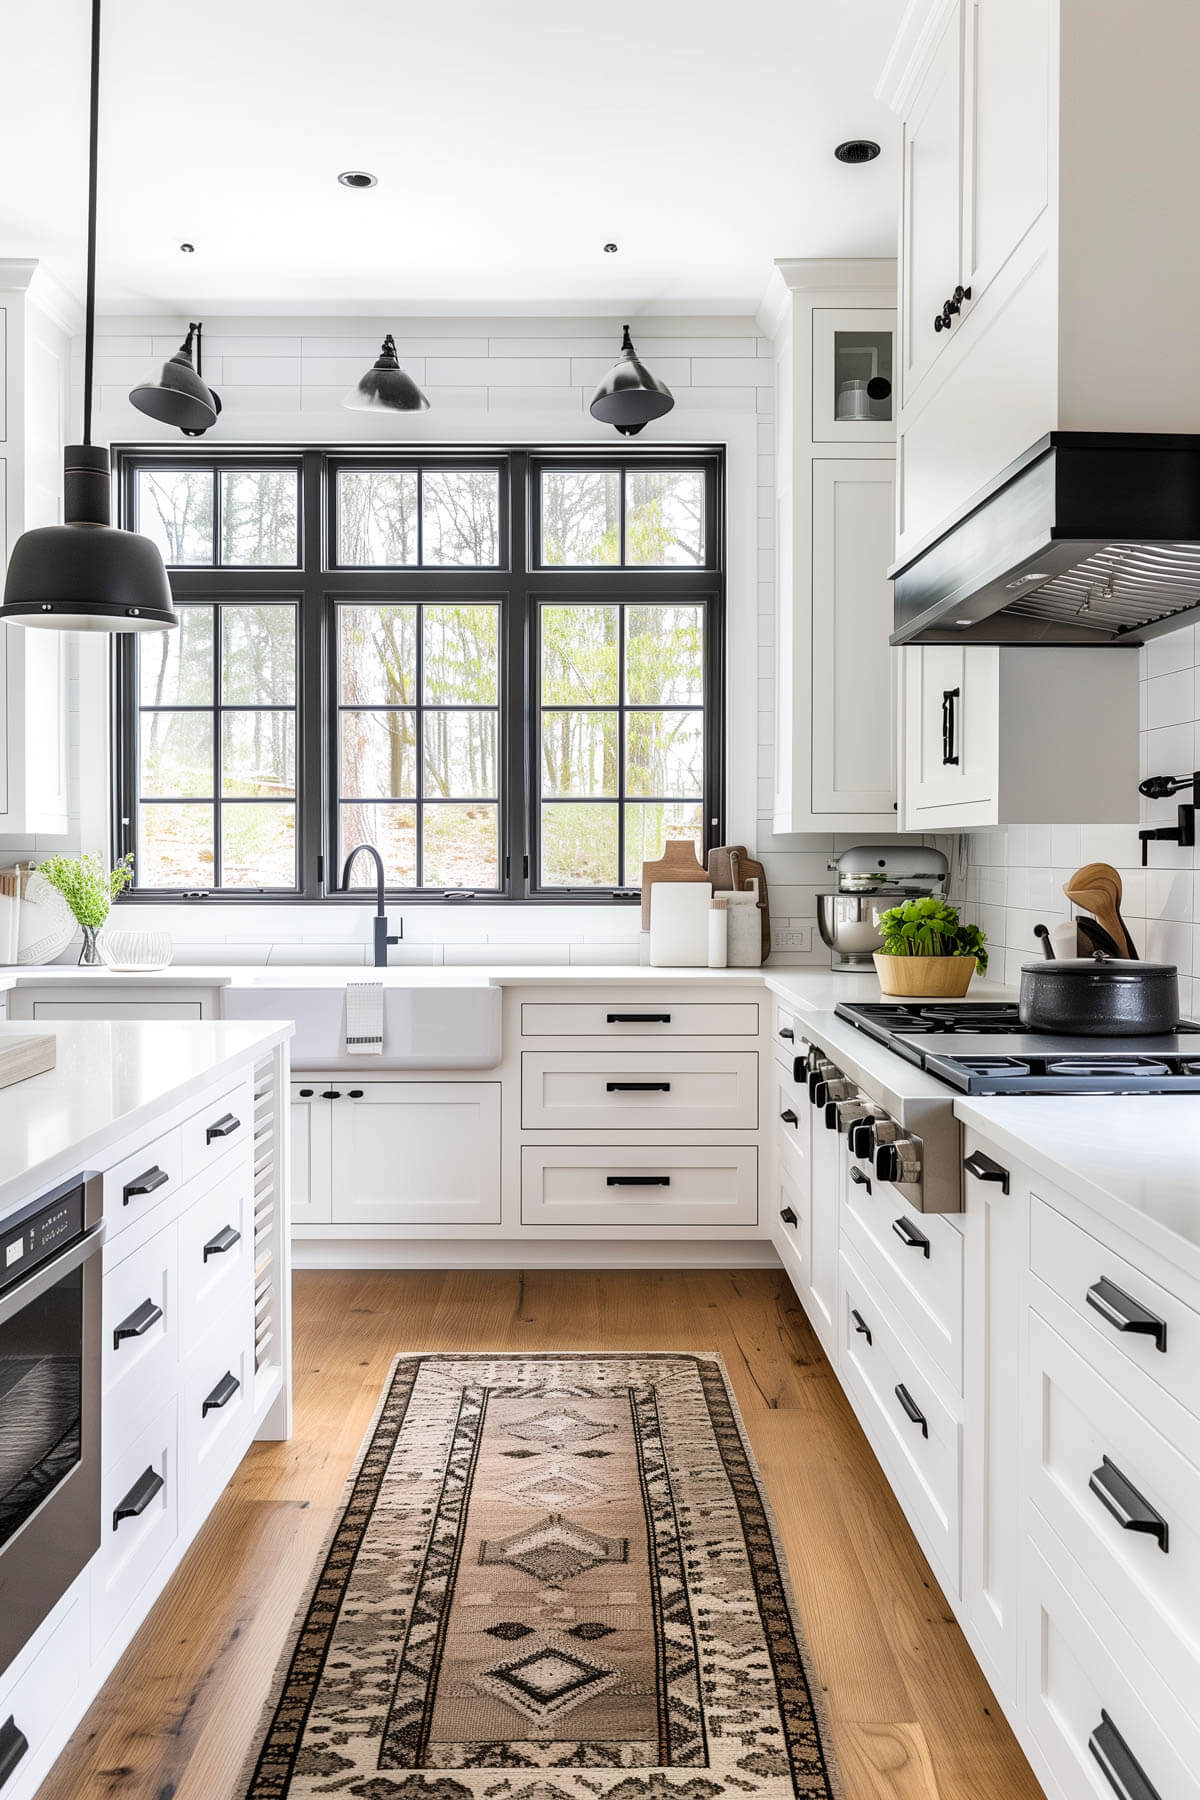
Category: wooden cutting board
[25,1056]
[732,871]
[678,862]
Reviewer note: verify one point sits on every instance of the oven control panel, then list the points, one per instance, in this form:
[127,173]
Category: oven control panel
[28,1241]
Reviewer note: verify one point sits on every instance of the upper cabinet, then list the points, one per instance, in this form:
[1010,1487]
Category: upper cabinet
[833,326]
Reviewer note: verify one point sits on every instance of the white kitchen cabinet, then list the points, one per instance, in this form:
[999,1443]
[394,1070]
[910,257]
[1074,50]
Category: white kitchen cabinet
[312,1155]
[416,1153]
[931,235]
[995,735]
[853,355]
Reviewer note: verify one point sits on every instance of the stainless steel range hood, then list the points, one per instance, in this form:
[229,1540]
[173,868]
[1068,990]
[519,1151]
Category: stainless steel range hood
[1089,538]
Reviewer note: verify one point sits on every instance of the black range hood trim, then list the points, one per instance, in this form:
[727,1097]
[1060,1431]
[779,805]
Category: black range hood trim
[1067,497]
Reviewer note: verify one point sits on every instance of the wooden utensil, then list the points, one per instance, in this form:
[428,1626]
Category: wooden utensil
[732,871]
[1097,889]
[25,1056]
[678,862]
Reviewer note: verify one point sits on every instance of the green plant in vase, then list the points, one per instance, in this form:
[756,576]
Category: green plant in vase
[928,951]
[89,889]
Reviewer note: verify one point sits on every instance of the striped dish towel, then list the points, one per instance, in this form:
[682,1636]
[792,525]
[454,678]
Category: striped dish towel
[364,1018]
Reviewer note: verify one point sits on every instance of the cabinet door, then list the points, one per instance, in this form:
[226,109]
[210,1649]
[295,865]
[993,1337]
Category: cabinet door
[853,715]
[853,373]
[1006,131]
[952,733]
[930,249]
[827,1167]
[417,1153]
[312,1155]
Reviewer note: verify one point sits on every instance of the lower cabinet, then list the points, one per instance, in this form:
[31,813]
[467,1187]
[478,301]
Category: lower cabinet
[629,1184]
[139,1519]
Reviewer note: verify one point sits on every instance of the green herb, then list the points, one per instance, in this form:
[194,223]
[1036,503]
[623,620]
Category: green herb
[86,886]
[931,927]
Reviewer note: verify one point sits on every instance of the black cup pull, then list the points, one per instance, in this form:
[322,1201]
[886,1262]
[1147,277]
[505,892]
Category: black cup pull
[306,1093]
[1124,1313]
[225,1239]
[637,1018]
[1123,1772]
[139,1496]
[1132,1511]
[860,1180]
[138,1323]
[785,1031]
[356,1093]
[638,1181]
[221,1395]
[788,1216]
[911,1408]
[860,1324]
[13,1745]
[788,1117]
[984,1169]
[144,1184]
[223,1127]
[637,1087]
[908,1234]
[330,1094]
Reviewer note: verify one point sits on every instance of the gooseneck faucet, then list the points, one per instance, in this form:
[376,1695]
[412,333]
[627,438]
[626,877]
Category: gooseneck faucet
[382,940]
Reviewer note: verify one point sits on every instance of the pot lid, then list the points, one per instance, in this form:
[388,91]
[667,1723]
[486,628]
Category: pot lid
[1106,966]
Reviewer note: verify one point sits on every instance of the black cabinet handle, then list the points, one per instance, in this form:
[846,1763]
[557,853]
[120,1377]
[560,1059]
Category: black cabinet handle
[637,1087]
[911,1408]
[785,1031]
[637,1018]
[221,1395]
[788,1117]
[1132,1511]
[788,1216]
[330,1094]
[860,1180]
[138,1323]
[984,1169]
[950,697]
[144,1184]
[1124,1313]
[638,1181]
[908,1234]
[13,1745]
[860,1324]
[139,1496]
[1122,1771]
[356,1093]
[223,1127]
[306,1093]
[225,1239]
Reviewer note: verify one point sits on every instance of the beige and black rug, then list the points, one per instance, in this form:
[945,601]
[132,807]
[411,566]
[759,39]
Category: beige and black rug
[555,1578]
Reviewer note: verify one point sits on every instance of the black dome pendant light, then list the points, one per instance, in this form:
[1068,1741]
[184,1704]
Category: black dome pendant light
[630,396]
[387,385]
[180,396]
[84,575]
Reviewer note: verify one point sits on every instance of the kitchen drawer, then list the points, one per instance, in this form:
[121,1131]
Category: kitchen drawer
[215,1254]
[639,1018]
[1072,1263]
[917,1259]
[1079,1431]
[1080,1673]
[36,1690]
[140,1182]
[791,1224]
[923,1460]
[222,1124]
[216,1426]
[629,1184]
[787,1037]
[674,1090]
[793,1112]
[141,1351]
[139,1520]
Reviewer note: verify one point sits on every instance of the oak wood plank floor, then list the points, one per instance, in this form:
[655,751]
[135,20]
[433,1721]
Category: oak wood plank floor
[912,1717]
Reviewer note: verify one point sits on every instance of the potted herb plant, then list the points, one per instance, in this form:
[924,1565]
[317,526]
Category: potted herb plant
[89,889]
[928,953]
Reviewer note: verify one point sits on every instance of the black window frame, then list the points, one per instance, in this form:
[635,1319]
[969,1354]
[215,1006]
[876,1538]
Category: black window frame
[519,583]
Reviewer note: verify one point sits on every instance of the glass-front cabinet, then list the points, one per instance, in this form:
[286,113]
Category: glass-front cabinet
[852,395]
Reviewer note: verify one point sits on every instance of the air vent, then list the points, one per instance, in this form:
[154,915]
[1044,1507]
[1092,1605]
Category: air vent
[1124,587]
[857,150]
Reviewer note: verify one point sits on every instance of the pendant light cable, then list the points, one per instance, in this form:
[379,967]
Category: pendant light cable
[89,304]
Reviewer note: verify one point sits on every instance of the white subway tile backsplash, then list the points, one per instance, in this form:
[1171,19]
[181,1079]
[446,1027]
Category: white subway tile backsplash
[1170,699]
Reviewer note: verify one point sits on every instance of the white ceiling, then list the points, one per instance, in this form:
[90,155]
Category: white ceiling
[511,141]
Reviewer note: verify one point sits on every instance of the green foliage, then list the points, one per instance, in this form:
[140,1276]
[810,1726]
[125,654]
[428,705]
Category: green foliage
[86,886]
[931,927]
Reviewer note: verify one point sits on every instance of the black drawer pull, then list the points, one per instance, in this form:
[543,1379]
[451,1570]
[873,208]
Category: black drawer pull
[911,1408]
[637,1087]
[13,1745]
[984,1169]
[139,1497]
[223,1127]
[788,1216]
[1131,1510]
[785,1031]
[306,1093]
[330,1094]
[221,1395]
[788,1117]
[638,1181]
[860,1180]
[1124,1313]
[225,1239]
[144,1184]
[908,1234]
[637,1018]
[1122,1771]
[356,1093]
[860,1324]
[138,1323]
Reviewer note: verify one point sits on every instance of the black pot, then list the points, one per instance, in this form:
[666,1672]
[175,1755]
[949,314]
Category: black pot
[1099,996]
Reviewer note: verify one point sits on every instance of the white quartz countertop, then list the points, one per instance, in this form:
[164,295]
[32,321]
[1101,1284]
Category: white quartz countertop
[110,1079]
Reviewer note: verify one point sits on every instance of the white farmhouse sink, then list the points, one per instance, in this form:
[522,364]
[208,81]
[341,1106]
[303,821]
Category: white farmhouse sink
[425,1026]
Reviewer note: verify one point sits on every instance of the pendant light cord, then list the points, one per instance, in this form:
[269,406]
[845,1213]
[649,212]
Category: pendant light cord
[89,305]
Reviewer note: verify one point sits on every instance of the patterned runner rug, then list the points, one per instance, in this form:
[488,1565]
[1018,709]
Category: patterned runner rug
[555,1578]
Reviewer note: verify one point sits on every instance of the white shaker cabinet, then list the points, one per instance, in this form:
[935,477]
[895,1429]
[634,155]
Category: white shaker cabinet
[932,206]
[415,1152]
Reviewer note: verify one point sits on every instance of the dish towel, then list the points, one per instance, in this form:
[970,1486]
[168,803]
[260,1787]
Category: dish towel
[364,1018]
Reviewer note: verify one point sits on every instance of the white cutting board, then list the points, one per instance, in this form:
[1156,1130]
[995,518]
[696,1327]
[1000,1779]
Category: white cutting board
[679,924]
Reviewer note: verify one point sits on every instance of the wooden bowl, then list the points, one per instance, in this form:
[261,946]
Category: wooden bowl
[924,977]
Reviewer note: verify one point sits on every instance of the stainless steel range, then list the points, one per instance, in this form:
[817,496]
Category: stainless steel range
[886,1073]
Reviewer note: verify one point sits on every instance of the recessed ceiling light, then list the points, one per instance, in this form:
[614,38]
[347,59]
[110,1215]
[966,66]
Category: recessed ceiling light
[357,178]
[188,249]
[610,249]
[857,150]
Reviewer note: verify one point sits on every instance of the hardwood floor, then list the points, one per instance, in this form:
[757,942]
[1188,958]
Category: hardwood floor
[912,1717]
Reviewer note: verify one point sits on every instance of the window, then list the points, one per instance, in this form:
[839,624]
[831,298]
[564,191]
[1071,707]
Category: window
[502,669]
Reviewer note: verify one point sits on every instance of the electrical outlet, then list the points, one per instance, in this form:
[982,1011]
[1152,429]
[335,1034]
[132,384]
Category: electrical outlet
[787,935]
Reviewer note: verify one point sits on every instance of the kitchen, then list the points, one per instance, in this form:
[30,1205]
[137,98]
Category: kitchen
[829,627]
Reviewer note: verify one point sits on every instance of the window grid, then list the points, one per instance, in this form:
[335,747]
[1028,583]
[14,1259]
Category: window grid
[132,507]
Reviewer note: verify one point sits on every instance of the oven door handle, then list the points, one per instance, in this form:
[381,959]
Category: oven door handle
[42,1280]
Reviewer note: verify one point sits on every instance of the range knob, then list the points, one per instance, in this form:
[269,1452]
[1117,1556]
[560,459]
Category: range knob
[849,1112]
[839,1088]
[823,1072]
[899,1161]
[862,1136]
